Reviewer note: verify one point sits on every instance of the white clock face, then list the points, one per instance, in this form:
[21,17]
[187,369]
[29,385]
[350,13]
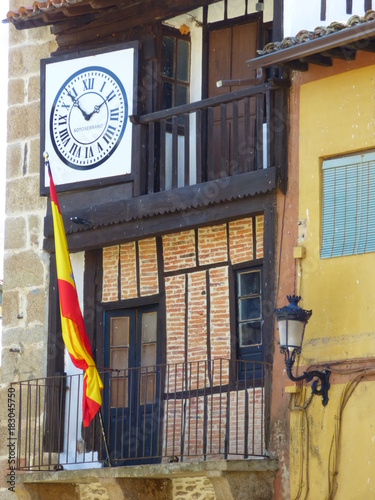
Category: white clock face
[88,117]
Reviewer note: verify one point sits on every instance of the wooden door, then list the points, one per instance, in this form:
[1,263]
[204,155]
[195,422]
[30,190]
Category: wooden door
[231,128]
[132,388]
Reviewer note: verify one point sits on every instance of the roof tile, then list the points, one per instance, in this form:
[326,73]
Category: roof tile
[320,31]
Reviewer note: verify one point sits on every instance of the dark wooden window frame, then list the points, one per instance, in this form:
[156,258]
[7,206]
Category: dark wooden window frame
[167,31]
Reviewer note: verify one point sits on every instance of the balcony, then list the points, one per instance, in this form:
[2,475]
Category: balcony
[220,137]
[188,412]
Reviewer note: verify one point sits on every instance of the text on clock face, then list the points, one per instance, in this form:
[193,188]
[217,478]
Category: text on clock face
[88,117]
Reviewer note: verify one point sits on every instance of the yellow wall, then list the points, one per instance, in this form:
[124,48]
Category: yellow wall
[337,117]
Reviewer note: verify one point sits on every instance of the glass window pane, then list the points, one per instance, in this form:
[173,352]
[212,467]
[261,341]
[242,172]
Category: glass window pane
[119,393]
[183,60]
[167,95]
[119,359]
[149,327]
[250,334]
[249,283]
[249,308]
[167,60]
[120,331]
[148,388]
[181,95]
[148,355]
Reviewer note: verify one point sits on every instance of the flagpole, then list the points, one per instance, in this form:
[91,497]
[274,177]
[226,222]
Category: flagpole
[79,349]
[104,438]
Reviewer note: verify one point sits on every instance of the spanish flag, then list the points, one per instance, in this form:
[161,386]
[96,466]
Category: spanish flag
[73,328]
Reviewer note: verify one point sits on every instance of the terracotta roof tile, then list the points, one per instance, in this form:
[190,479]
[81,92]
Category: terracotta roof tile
[320,31]
[41,13]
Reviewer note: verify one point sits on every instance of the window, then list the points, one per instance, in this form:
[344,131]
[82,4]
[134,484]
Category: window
[348,213]
[175,69]
[249,316]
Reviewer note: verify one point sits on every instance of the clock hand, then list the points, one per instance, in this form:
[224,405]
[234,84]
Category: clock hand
[96,108]
[76,104]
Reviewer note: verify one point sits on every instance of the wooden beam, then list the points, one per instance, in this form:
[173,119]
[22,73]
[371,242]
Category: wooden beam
[365,45]
[296,65]
[162,224]
[344,53]
[119,18]
[317,59]
[166,211]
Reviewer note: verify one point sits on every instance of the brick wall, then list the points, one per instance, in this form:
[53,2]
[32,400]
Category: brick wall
[130,270]
[197,301]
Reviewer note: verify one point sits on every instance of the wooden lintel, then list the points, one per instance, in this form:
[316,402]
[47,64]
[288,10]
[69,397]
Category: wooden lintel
[317,59]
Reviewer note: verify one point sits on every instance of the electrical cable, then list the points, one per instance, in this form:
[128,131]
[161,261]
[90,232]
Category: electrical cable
[334,448]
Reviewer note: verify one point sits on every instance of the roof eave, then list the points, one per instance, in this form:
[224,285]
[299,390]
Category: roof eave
[359,33]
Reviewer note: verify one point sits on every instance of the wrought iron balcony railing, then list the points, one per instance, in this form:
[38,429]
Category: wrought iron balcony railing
[166,413]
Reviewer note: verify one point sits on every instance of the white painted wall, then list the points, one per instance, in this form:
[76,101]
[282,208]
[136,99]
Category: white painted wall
[306,15]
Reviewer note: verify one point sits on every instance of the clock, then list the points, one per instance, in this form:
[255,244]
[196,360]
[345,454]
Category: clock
[86,101]
[88,117]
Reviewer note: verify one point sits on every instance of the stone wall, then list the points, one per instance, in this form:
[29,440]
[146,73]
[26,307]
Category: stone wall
[25,265]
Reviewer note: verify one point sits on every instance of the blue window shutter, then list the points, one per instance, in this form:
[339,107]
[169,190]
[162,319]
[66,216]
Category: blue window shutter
[348,212]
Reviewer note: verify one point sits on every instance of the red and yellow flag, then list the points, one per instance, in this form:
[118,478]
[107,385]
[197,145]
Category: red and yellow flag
[73,328]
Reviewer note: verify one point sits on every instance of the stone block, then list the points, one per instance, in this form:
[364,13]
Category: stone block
[25,60]
[33,89]
[14,160]
[36,306]
[15,233]
[242,485]
[45,491]
[23,122]
[23,336]
[24,269]
[11,307]
[25,365]
[33,166]
[35,231]
[16,91]
[16,37]
[40,34]
[22,195]
[157,489]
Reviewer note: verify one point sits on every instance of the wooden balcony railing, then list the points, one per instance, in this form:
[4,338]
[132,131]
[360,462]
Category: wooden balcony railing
[164,413]
[218,137]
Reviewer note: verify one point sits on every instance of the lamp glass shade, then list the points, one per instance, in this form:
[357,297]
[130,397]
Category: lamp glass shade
[291,333]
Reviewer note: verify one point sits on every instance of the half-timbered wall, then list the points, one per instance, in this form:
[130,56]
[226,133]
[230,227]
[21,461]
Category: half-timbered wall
[196,279]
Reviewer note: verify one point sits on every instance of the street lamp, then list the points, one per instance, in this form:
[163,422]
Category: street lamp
[292,321]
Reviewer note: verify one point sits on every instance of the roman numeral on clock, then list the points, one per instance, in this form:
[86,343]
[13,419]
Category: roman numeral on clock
[114,114]
[88,84]
[64,136]
[75,150]
[109,133]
